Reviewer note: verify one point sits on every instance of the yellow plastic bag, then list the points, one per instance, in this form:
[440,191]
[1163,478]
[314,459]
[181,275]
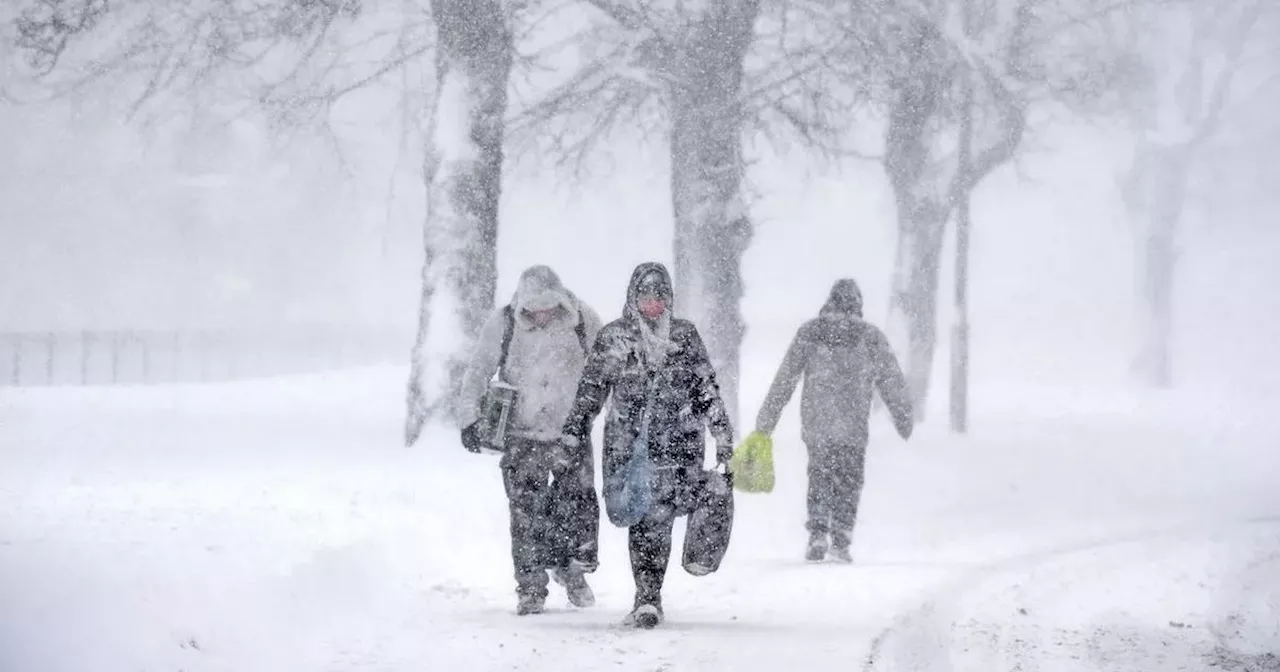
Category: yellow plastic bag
[752,464]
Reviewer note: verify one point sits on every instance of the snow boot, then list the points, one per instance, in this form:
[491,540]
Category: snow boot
[645,616]
[530,604]
[575,586]
[841,554]
[817,551]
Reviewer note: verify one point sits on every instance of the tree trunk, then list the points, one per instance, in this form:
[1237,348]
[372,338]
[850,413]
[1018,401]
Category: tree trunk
[929,182]
[712,229]
[1182,110]
[463,173]
[913,299]
[1166,180]
[920,188]
[959,405]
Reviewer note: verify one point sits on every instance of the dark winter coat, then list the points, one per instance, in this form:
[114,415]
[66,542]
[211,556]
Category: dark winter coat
[630,355]
[844,361]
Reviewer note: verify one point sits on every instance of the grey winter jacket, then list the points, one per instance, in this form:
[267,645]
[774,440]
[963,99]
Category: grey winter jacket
[844,361]
[543,363]
[633,356]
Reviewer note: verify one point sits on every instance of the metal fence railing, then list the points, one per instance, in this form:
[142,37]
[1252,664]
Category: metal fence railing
[123,357]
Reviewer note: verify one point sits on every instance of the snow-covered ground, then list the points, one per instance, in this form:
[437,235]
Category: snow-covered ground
[281,526]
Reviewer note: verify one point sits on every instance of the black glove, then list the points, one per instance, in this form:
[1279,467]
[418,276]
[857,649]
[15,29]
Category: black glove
[561,461]
[573,436]
[471,437]
[904,423]
[564,453]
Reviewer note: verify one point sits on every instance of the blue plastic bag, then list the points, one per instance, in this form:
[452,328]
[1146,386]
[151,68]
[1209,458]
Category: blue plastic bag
[628,490]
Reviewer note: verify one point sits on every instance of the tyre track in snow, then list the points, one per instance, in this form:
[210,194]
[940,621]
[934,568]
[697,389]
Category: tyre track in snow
[925,637]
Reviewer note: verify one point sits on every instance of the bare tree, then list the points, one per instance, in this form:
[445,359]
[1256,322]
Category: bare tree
[959,79]
[1193,52]
[931,100]
[463,175]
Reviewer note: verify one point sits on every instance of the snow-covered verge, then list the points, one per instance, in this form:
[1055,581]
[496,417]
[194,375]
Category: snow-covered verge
[1200,598]
[281,525]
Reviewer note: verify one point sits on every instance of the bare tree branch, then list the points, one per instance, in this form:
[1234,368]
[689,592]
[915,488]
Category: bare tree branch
[45,29]
[1219,97]
[1013,124]
[626,16]
[185,50]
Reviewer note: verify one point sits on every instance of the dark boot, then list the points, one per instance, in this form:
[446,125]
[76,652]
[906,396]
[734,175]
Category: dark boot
[646,614]
[530,603]
[817,550]
[575,586]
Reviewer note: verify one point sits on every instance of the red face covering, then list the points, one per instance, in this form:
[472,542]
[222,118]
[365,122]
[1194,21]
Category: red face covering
[542,318]
[651,308]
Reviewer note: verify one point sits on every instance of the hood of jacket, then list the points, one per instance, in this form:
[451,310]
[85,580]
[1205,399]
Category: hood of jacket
[649,272]
[540,288]
[845,299]
[655,335]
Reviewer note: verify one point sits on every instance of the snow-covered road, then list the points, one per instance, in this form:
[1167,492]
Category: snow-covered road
[281,526]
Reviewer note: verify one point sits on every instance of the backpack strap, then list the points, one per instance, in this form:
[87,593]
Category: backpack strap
[509,314]
[581,328]
[581,331]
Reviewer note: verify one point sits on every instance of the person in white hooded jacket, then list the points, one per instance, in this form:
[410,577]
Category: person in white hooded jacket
[546,333]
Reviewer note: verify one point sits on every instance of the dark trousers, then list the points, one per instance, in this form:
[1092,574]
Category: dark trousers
[836,476]
[555,521]
[650,540]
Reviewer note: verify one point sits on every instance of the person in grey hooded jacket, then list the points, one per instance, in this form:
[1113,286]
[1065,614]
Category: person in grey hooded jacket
[844,360]
[650,359]
[554,513]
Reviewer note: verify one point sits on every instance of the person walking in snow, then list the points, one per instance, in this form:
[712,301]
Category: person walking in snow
[844,360]
[538,345]
[650,360]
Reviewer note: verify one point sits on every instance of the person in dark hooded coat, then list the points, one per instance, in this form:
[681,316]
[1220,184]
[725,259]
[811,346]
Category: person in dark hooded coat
[844,360]
[650,351]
